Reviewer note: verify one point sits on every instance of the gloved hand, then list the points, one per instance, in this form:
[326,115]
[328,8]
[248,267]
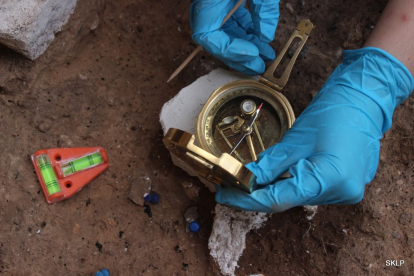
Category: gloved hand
[242,42]
[332,150]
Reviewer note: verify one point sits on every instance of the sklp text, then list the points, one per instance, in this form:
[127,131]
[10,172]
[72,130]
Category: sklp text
[394,262]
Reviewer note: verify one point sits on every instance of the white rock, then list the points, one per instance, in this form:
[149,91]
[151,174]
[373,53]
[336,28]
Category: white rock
[311,210]
[181,111]
[83,77]
[28,26]
[290,7]
[228,238]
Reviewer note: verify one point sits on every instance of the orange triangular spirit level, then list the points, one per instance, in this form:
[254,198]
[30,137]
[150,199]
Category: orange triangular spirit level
[63,172]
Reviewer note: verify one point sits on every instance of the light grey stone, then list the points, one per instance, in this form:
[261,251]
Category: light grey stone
[28,26]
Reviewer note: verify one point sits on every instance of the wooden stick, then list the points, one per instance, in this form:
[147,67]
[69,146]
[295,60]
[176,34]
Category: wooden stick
[196,50]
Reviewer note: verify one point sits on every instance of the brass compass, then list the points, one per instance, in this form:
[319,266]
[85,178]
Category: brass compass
[241,118]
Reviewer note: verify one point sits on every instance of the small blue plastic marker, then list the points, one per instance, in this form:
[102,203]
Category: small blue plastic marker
[103,272]
[154,198]
[147,198]
[194,226]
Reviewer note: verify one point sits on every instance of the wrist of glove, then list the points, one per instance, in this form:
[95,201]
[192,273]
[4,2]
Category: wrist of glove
[332,150]
[242,42]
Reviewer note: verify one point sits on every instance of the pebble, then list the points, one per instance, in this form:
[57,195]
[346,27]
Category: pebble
[290,7]
[395,235]
[405,218]
[94,25]
[45,125]
[65,142]
[83,77]
[191,190]
[139,189]
[177,249]
[338,53]
[313,93]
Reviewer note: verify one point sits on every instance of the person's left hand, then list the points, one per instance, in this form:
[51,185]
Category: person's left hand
[242,42]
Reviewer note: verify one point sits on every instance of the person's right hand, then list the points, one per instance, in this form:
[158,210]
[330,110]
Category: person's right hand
[332,150]
[242,42]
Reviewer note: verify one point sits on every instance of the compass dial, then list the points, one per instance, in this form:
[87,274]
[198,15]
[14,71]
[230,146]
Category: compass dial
[224,119]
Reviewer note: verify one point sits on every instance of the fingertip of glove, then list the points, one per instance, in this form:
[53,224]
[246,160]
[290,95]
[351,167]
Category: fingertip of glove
[197,39]
[219,194]
[216,187]
[219,44]
[266,38]
[253,68]
[267,53]
[256,171]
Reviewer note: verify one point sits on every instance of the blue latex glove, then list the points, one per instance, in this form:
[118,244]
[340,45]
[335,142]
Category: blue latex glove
[332,150]
[242,42]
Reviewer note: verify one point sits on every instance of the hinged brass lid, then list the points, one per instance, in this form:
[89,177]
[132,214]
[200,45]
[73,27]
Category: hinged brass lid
[224,170]
[302,32]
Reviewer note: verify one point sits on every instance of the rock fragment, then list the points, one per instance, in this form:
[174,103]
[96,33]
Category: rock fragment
[139,189]
[28,26]
[64,142]
[405,218]
[45,125]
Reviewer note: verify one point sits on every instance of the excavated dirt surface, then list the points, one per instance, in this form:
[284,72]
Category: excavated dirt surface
[102,82]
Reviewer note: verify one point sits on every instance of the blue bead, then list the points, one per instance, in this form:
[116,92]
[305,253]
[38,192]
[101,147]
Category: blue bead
[154,198]
[99,273]
[105,272]
[194,226]
[147,198]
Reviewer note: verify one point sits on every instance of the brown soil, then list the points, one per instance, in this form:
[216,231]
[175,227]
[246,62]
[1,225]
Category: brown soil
[126,60]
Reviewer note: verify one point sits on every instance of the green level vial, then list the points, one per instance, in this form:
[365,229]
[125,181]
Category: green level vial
[82,163]
[48,174]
